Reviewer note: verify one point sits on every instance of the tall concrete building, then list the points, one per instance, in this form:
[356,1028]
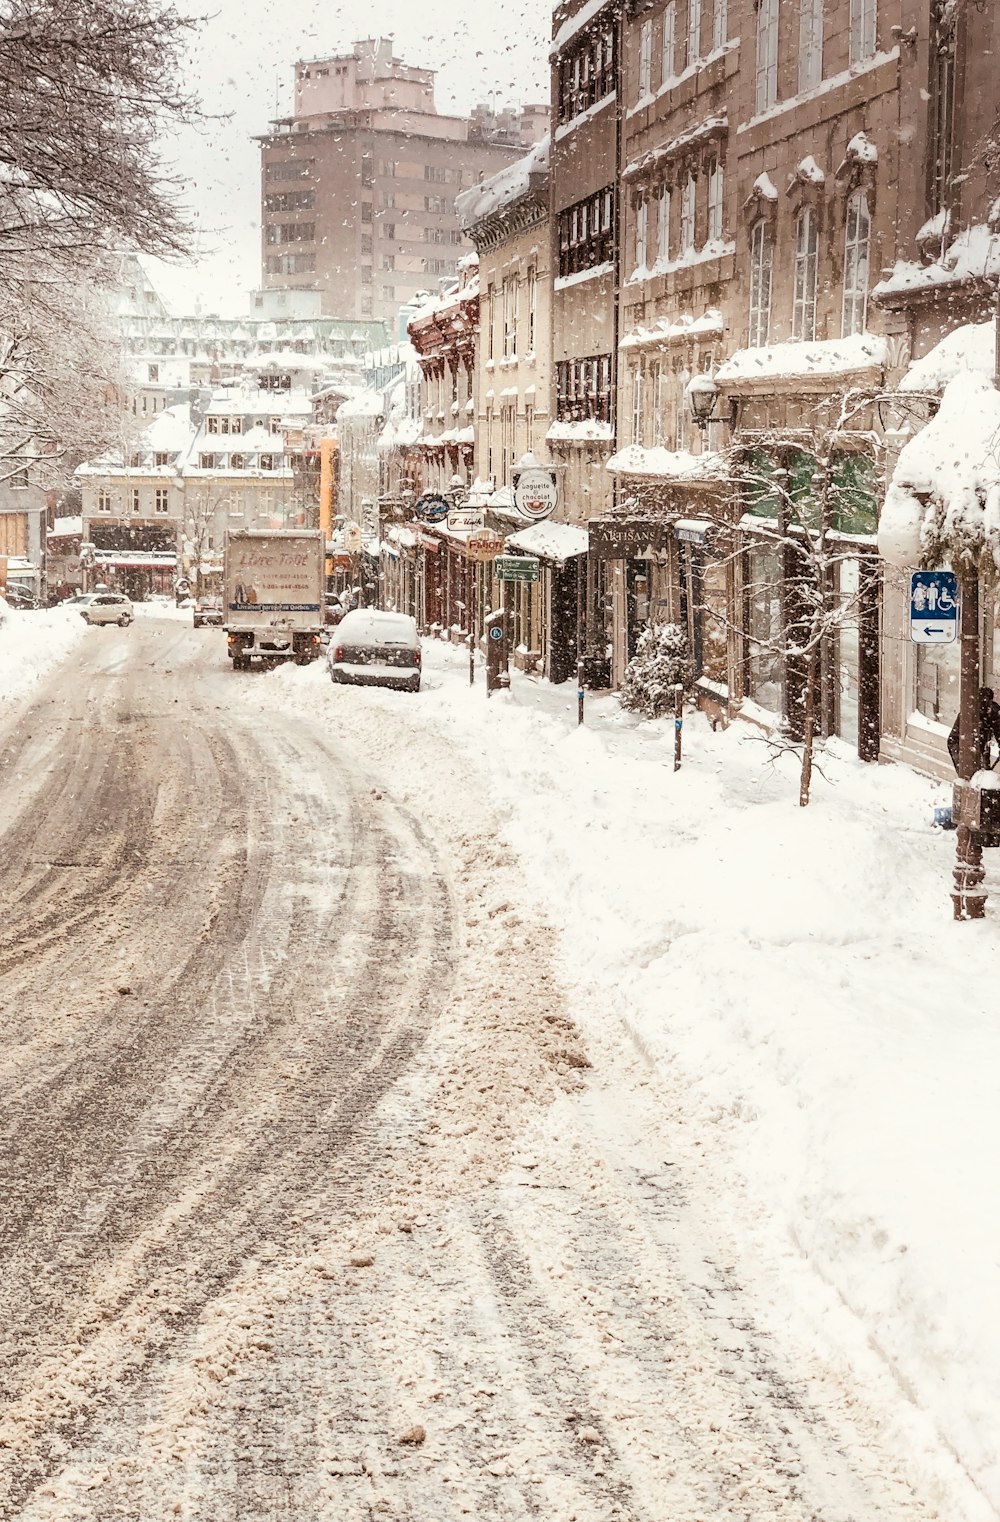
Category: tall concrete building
[358,186]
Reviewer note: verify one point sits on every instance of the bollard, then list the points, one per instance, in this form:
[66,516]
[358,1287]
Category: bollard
[678,724]
[579,692]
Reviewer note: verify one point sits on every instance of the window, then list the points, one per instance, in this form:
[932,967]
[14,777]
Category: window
[491,317]
[694,31]
[161,459]
[585,233]
[388,261]
[274,425]
[266,462]
[133,499]
[720,23]
[510,301]
[289,169]
[387,231]
[441,176]
[761,256]
[387,167]
[688,195]
[291,264]
[862,30]
[810,44]
[439,267]
[237,462]
[669,55]
[437,203]
[19,478]
[290,232]
[154,372]
[942,118]
[766,75]
[212,424]
[856,245]
[714,198]
[641,227]
[587,71]
[806,262]
[645,58]
[290,200]
[207,461]
[366,211]
[663,223]
[583,389]
[637,379]
[161,499]
[529,427]
[367,170]
[532,293]
[103,501]
[366,274]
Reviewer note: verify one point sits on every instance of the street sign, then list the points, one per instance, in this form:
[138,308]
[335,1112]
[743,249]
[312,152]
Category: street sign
[465,519]
[432,507]
[534,493]
[933,607]
[485,544]
[516,567]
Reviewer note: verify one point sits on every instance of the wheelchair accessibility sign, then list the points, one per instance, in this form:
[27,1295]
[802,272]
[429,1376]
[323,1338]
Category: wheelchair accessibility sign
[933,607]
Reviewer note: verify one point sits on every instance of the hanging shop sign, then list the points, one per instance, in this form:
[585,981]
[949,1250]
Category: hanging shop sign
[463,520]
[629,538]
[485,544]
[432,507]
[534,493]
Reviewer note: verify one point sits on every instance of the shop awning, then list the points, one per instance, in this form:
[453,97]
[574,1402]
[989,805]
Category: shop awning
[157,560]
[553,542]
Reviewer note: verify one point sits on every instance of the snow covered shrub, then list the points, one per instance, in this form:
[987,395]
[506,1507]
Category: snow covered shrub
[661,661]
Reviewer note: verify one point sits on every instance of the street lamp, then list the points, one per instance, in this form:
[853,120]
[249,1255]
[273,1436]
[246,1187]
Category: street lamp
[702,394]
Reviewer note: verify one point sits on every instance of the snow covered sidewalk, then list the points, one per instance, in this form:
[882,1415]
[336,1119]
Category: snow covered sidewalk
[794,980]
[31,643]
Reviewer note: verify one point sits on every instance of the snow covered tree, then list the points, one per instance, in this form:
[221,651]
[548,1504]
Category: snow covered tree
[661,663]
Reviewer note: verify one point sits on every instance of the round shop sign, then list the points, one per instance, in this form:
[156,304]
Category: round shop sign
[535,494]
[496,632]
[432,508]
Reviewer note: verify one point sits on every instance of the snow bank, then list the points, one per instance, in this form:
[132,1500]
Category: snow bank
[31,643]
[943,503]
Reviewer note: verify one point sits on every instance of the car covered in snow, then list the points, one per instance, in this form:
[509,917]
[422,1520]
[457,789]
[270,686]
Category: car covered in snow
[376,649]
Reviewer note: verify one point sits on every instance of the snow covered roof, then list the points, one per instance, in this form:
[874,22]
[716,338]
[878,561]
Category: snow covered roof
[575,24]
[367,403]
[504,189]
[943,502]
[170,431]
[974,255]
[65,526]
[586,431]
[674,464]
[800,361]
[969,347]
[556,542]
[666,330]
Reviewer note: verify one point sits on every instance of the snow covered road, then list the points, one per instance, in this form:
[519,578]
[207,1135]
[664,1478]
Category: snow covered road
[315,1204]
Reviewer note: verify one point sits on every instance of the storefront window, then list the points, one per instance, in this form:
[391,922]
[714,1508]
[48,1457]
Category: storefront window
[936,669]
[763,564]
[848,651]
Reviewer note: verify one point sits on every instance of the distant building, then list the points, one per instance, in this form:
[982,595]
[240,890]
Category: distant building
[358,185]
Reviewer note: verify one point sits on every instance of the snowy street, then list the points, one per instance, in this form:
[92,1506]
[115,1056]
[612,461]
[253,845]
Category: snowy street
[345,1175]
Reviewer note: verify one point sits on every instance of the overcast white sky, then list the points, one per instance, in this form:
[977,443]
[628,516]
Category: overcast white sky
[242,67]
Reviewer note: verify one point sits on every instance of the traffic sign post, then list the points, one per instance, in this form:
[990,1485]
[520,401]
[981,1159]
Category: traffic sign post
[516,568]
[934,605]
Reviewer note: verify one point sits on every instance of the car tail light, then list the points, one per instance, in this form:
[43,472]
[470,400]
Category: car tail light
[338,654]
[416,657]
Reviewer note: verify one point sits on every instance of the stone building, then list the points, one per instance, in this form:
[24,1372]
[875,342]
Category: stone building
[358,185]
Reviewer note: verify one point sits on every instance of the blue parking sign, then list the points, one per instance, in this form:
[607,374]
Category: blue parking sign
[933,607]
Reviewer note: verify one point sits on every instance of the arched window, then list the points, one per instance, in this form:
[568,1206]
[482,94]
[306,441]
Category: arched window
[761,258]
[856,260]
[806,263]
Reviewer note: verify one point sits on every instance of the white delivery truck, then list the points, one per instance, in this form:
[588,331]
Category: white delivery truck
[273,590]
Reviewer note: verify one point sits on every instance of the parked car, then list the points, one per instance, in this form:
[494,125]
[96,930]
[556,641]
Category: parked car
[20,597]
[105,608]
[376,649]
[207,610]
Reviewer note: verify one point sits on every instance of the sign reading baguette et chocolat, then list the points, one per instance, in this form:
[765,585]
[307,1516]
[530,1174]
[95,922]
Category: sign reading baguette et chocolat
[628,538]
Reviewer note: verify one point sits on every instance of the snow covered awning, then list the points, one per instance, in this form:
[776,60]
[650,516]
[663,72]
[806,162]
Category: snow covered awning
[970,347]
[554,542]
[669,464]
[666,331]
[586,431]
[942,505]
[787,365]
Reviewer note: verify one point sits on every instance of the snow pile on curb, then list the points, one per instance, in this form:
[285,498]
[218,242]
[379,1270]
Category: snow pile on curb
[824,1032]
[31,643]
